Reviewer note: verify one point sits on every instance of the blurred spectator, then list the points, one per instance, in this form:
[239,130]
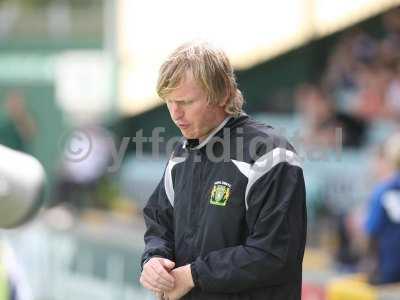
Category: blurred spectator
[383,220]
[351,248]
[347,254]
[372,82]
[17,127]
[382,169]
[340,69]
[392,96]
[321,120]
[360,88]
[84,164]
[361,75]
[355,51]
[390,46]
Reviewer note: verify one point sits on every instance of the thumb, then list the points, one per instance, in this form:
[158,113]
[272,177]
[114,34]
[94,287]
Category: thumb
[168,264]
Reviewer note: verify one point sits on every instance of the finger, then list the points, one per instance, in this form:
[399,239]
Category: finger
[158,276]
[160,296]
[162,276]
[156,269]
[169,264]
[157,282]
[149,285]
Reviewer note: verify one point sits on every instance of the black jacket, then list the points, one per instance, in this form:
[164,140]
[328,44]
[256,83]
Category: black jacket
[234,208]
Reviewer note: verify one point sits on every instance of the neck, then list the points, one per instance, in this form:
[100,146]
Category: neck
[217,123]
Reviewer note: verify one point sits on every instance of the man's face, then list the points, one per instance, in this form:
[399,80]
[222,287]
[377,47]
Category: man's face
[190,110]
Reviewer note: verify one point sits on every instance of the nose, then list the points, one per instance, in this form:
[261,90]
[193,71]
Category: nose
[176,111]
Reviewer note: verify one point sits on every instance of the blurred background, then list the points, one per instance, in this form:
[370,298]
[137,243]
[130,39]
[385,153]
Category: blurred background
[77,91]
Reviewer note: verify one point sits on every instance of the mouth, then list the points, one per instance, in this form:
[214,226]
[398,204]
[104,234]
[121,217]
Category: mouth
[183,126]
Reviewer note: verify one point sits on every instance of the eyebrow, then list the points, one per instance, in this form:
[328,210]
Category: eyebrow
[180,100]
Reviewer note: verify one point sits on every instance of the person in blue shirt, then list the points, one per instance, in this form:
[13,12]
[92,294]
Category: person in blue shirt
[383,220]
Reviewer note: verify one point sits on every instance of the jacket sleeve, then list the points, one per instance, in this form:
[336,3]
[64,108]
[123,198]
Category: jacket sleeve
[273,251]
[159,235]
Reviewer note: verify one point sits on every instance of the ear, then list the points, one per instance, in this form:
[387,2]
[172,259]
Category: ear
[225,101]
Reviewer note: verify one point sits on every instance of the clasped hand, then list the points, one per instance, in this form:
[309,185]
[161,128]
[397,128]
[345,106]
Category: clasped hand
[160,277]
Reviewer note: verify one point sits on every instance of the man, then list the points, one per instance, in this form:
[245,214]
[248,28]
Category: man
[383,220]
[228,218]
[17,126]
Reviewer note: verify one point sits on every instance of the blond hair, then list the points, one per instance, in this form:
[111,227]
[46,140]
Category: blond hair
[210,68]
[392,150]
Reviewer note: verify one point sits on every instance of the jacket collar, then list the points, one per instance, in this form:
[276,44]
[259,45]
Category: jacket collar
[194,144]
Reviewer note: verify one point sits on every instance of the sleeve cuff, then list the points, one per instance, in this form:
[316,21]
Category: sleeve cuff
[195,275]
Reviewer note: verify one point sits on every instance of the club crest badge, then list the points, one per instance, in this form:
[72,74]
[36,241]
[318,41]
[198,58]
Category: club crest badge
[220,193]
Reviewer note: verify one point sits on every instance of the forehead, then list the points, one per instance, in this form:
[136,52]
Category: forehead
[187,89]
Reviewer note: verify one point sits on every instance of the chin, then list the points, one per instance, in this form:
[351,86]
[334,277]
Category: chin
[188,136]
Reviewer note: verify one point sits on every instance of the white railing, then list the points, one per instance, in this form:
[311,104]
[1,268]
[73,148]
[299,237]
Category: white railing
[57,267]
